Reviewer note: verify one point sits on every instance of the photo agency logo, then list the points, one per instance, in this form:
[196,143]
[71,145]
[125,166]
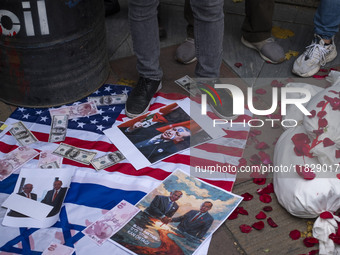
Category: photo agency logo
[238,104]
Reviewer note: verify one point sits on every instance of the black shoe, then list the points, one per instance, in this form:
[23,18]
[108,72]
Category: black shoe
[139,99]
[111,7]
[220,100]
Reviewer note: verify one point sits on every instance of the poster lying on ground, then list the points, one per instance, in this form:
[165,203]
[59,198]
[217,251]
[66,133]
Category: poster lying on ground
[161,133]
[37,197]
[176,217]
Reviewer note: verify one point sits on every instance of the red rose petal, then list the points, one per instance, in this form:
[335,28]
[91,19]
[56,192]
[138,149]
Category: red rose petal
[238,65]
[255,159]
[247,196]
[321,104]
[261,215]
[335,238]
[266,190]
[242,211]
[327,142]
[271,223]
[245,228]
[233,215]
[318,132]
[322,123]
[258,225]
[338,176]
[259,181]
[313,252]
[337,153]
[326,215]
[305,172]
[323,70]
[313,113]
[276,83]
[261,146]
[267,209]
[321,114]
[265,198]
[319,77]
[295,234]
[260,91]
[310,241]
[243,162]
[265,158]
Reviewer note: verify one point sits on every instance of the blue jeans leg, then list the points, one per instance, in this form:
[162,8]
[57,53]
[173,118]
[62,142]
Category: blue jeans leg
[145,37]
[327,18]
[208,30]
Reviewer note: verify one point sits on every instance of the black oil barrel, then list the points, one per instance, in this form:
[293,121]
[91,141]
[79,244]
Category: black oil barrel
[52,52]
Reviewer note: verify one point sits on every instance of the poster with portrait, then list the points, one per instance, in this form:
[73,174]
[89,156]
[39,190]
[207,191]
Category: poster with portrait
[176,217]
[37,198]
[161,133]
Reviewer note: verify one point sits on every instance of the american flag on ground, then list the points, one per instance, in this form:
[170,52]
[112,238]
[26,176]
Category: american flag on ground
[92,193]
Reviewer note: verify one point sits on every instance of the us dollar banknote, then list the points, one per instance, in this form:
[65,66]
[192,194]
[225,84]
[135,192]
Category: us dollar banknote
[107,160]
[108,100]
[53,164]
[75,153]
[22,134]
[58,128]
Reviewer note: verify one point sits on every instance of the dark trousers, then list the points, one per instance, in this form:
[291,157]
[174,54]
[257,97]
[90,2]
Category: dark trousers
[256,26]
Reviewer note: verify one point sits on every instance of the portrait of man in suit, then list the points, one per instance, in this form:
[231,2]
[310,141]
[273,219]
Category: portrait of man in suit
[26,192]
[196,222]
[55,197]
[164,207]
[161,134]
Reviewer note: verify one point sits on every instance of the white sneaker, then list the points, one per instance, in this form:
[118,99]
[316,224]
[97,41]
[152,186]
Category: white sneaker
[316,55]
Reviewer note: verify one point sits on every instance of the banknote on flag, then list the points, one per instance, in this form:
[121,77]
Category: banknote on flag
[92,193]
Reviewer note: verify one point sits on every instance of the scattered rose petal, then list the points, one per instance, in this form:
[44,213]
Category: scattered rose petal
[271,223]
[305,172]
[290,54]
[238,65]
[243,162]
[313,252]
[338,176]
[313,113]
[267,209]
[323,70]
[276,83]
[255,159]
[258,225]
[266,190]
[337,153]
[295,234]
[322,123]
[327,142]
[310,241]
[261,146]
[259,181]
[326,215]
[282,33]
[265,158]
[319,77]
[335,238]
[265,198]
[276,126]
[261,215]
[321,104]
[233,215]
[321,114]
[258,174]
[256,132]
[245,228]
[242,211]
[247,196]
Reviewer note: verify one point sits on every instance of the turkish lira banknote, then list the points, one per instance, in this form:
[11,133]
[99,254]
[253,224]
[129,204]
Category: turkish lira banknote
[75,153]
[108,100]
[22,134]
[76,111]
[107,160]
[111,222]
[49,160]
[58,128]
[15,159]
[58,249]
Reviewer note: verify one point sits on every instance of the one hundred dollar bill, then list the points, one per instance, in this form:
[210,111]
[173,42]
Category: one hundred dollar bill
[22,134]
[53,164]
[15,159]
[47,159]
[188,85]
[108,100]
[75,154]
[107,160]
[76,111]
[58,128]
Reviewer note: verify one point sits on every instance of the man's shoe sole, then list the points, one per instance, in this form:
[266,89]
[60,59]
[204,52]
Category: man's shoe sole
[249,45]
[134,115]
[185,62]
